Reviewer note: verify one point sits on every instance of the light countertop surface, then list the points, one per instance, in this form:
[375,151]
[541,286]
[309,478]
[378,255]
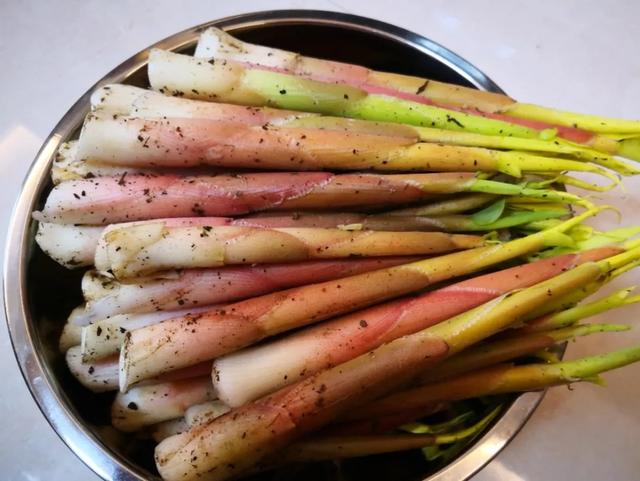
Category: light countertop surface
[572,54]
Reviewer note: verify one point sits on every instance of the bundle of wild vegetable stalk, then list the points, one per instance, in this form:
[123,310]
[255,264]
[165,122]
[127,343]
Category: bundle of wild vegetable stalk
[350,219]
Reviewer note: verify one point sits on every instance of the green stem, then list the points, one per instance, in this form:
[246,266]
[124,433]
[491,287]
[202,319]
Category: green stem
[501,188]
[584,240]
[621,270]
[620,260]
[502,350]
[295,93]
[477,324]
[571,332]
[570,316]
[500,379]
[539,225]
[571,371]
[513,219]
[557,146]
[630,148]
[586,290]
[592,123]
[574,182]
[515,203]
[515,163]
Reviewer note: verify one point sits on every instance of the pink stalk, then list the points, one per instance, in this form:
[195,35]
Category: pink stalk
[107,297]
[249,374]
[106,200]
[405,87]
[239,440]
[184,341]
[193,142]
[135,142]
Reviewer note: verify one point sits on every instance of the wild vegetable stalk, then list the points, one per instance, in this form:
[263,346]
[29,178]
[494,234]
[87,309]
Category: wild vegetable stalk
[501,379]
[585,237]
[98,376]
[215,43]
[566,303]
[71,334]
[125,100]
[102,375]
[494,352]
[75,245]
[103,338]
[572,299]
[322,448]
[400,223]
[569,317]
[551,147]
[279,419]
[165,429]
[337,446]
[454,205]
[154,403]
[203,413]
[146,249]
[69,245]
[243,84]
[69,165]
[184,341]
[254,372]
[191,288]
[191,142]
[106,200]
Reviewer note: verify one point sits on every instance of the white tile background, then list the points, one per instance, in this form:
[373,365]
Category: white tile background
[573,54]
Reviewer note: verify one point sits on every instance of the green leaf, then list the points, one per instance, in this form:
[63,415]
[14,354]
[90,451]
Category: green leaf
[516,218]
[490,213]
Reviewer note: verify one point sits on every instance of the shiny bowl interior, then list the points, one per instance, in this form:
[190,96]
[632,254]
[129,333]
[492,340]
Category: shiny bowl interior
[39,294]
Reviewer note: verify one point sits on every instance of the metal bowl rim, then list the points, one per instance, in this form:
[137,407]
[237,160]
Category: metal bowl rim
[51,400]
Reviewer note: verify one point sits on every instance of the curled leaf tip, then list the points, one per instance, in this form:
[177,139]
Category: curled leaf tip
[613,177]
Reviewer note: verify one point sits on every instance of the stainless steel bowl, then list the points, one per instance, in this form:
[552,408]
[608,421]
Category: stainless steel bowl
[39,294]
